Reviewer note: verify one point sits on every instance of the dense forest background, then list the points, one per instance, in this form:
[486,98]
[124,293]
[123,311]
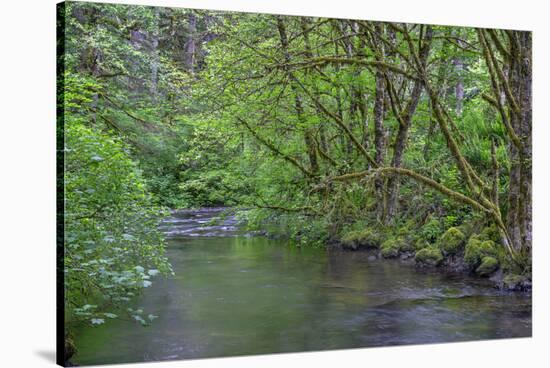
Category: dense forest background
[415,139]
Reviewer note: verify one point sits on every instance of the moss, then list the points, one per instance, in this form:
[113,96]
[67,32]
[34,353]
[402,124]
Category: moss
[490,233]
[391,247]
[515,282]
[452,241]
[431,256]
[421,244]
[390,252]
[407,246]
[488,266]
[477,249]
[361,238]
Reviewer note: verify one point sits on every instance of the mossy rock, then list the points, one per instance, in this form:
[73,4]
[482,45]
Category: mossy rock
[391,247]
[407,246]
[430,256]
[488,266]
[490,233]
[389,252]
[516,282]
[452,241]
[366,238]
[477,249]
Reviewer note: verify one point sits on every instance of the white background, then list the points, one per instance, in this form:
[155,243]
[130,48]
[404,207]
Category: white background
[27,180]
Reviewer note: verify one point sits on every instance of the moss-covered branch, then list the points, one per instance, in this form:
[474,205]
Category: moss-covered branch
[418,178]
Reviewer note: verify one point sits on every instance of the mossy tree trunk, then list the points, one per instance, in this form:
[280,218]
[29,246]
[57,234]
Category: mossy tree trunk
[508,58]
[405,118]
[379,131]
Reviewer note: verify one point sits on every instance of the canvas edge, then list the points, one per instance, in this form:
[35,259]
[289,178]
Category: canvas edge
[60,192]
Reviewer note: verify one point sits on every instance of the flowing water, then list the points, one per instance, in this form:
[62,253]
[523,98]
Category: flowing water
[237,294]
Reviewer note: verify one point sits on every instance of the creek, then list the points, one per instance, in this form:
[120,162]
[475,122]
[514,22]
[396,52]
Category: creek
[238,294]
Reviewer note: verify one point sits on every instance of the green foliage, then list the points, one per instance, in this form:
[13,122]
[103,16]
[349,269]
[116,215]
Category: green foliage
[112,247]
[301,230]
[307,232]
[431,230]
[450,220]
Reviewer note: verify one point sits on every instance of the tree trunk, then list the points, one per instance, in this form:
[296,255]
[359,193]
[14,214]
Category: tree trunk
[379,134]
[379,140]
[392,185]
[190,44]
[519,217]
[155,56]
[459,86]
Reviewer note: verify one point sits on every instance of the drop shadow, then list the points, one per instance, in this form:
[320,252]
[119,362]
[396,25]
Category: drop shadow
[48,355]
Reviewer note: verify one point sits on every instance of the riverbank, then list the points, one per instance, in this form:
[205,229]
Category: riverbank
[471,248]
[454,265]
[459,250]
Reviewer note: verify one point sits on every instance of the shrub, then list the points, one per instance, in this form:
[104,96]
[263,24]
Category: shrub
[430,230]
[113,248]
